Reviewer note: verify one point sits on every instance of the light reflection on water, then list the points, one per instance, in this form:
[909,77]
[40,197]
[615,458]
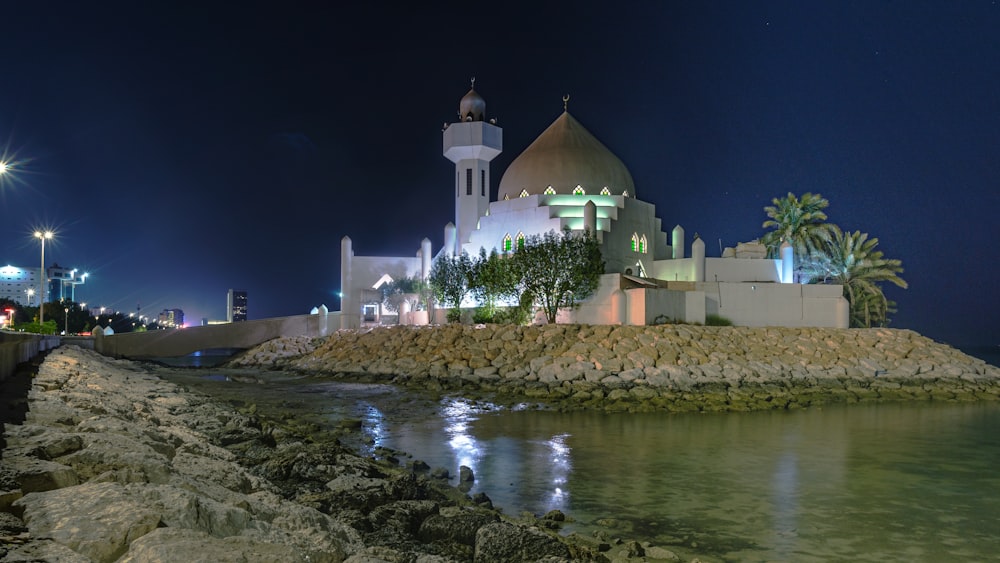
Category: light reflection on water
[905,482]
[893,482]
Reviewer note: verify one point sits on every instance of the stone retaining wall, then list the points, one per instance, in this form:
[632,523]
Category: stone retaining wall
[641,368]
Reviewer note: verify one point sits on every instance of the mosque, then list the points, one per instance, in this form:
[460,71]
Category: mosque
[567,178]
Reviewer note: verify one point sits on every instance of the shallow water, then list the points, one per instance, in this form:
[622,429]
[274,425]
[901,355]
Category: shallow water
[894,482]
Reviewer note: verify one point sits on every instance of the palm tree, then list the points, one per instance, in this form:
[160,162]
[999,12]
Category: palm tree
[800,221]
[851,260]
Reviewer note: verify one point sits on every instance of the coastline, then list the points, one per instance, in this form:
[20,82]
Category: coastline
[678,368]
[114,463]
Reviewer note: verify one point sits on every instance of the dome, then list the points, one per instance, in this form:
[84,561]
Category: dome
[565,156]
[473,105]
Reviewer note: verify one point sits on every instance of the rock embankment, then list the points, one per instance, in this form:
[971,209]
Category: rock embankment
[114,464]
[639,368]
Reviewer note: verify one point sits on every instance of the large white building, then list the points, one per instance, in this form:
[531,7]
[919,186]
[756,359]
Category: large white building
[567,178]
[20,285]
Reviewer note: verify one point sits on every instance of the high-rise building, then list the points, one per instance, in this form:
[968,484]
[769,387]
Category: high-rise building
[236,305]
[171,318]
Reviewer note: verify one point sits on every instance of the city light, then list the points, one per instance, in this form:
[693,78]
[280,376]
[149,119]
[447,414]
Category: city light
[42,236]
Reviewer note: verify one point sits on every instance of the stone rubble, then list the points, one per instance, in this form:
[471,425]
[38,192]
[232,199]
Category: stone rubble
[114,464]
[643,368]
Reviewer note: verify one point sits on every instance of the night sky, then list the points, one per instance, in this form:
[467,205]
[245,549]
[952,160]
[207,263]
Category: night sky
[182,149]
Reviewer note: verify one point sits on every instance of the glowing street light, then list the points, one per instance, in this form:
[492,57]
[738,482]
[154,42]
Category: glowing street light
[4,167]
[66,324]
[31,293]
[42,236]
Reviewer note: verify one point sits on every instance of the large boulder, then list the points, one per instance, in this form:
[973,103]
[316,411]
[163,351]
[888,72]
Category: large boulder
[503,542]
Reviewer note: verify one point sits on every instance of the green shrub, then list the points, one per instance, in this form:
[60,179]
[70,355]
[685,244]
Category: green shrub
[484,315]
[717,320]
[454,315]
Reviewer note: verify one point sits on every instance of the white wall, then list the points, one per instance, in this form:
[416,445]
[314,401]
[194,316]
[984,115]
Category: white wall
[645,305]
[775,304]
[742,270]
[601,308]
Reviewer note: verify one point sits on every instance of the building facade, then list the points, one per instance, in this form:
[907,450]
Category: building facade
[568,179]
[20,285]
[236,305]
[171,318]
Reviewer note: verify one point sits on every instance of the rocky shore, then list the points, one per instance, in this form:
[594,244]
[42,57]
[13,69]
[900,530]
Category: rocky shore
[644,368]
[112,463]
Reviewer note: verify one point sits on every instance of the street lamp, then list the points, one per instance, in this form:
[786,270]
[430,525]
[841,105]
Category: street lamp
[66,324]
[31,293]
[42,236]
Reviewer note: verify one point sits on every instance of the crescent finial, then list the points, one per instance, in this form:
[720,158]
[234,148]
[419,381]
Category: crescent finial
[565,102]
[473,82]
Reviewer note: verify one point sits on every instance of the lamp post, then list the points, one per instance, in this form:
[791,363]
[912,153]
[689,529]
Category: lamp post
[31,293]
[66,324]
[42,236]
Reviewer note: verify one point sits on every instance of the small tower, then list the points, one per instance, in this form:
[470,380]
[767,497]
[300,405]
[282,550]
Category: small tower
[471,143]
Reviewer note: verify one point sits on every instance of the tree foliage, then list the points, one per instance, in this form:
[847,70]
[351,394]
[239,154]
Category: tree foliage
[449,279]
[558,270]
[395,292]
[800,221]
[852,260]
[495,277]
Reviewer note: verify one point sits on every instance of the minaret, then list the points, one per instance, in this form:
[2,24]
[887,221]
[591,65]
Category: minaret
[471,143]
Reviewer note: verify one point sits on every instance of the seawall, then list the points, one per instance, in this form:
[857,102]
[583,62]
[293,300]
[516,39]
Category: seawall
[644,368]
[19,347]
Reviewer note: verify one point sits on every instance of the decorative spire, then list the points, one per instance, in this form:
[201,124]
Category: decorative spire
[473,83]
[565,102]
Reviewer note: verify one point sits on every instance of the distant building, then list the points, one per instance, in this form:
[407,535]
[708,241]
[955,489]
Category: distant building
[236,305]
[16,282]
[171,318]
[62,283]
[22,285]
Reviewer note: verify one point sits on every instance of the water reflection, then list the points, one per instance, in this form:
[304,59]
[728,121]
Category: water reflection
[457,415]
[878,482]
[907,482]
[374,425]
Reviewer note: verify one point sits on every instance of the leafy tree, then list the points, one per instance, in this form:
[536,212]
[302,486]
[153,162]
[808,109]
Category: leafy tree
[800,221]
[395,292]
[494,278]
[559,270]
[851,260]
[449,279]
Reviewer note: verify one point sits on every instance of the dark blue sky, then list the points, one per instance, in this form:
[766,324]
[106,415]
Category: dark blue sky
[180,149]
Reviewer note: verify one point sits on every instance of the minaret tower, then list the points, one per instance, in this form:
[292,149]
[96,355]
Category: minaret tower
[471,143]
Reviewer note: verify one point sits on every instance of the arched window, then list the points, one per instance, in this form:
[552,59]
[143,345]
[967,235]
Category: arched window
[625,193]
[642,245]
[549,191]
[507,243]
[578,190]
[524,193]
[605,191]
[520,240]
[635,242]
